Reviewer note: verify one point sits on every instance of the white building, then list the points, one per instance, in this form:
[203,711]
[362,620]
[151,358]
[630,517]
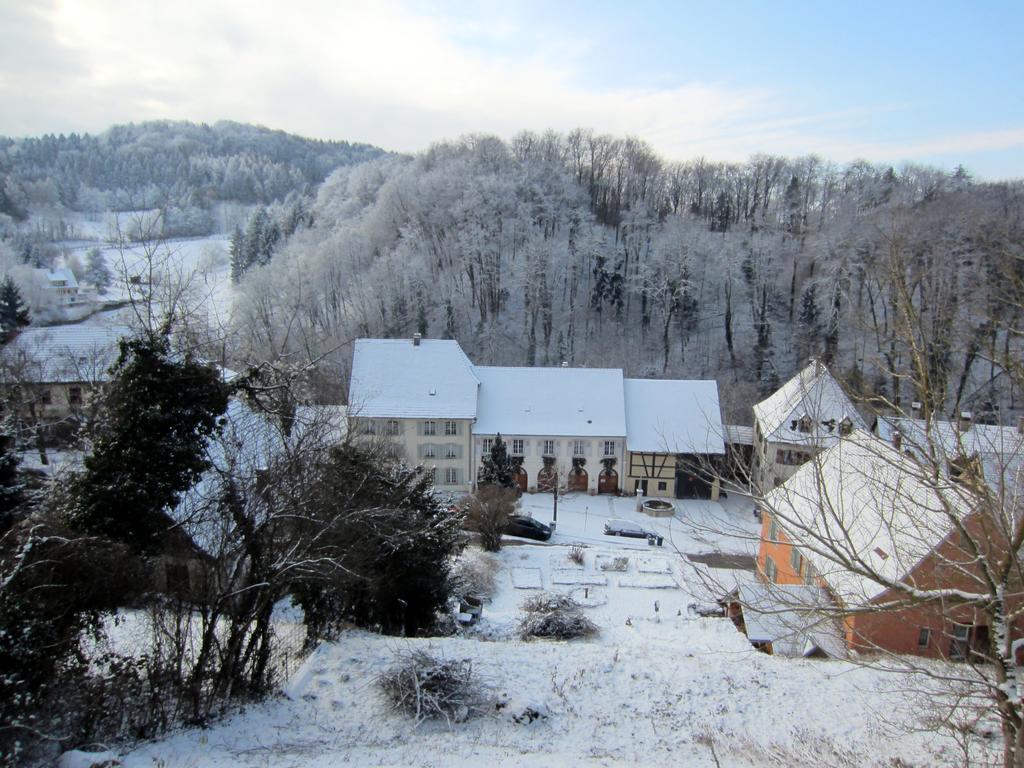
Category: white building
[807,414]
[64,285]
[421,395]
[564,423]
[559,424]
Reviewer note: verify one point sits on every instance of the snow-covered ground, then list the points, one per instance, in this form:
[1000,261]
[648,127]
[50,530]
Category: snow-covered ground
[203,262]
[658,685]
[697,526]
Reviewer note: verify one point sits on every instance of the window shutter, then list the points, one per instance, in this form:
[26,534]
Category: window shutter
[558,447]
[458,477]
[586,448]
[419,451]
[419,428]
[526,447]
[458,451]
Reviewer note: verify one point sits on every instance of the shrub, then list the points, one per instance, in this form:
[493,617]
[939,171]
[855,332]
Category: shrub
[556,617]
[427,687]
[473,573]
[487,512]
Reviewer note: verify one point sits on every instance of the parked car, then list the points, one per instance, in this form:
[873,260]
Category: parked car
[528,528]
[632,530]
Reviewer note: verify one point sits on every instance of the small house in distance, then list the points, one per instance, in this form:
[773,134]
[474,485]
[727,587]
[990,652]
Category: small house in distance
[807,414]
[674,438]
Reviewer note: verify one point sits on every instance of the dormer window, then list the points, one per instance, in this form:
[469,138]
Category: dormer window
[965,469]
[803,424]
[846,426]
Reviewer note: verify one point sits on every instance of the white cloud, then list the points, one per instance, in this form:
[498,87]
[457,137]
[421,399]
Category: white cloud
[380,73]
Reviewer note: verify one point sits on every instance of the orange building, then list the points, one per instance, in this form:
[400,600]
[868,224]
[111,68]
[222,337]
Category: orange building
[858,519]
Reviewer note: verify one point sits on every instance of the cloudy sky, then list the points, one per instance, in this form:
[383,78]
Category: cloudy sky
[935,82]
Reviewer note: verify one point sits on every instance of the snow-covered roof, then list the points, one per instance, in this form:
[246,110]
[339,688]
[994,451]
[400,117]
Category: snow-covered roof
[864,498]
[673,416]
[1000,450]
[584,402]
[250,442]
[63,353]
[813,393]
[737,434]
[398,379]
[794,618]
[62,275]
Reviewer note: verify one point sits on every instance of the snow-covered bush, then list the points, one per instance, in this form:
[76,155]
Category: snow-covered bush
[429,687]
[473,573]
[556,617]
[576,554]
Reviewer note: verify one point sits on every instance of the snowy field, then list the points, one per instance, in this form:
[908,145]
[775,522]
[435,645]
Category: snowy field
[657,686]
[202,263]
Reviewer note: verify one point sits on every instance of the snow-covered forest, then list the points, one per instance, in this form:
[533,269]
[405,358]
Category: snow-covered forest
[182,168]
[592,249]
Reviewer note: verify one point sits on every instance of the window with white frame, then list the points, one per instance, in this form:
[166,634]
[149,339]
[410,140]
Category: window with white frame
[770,571]
[924,637]
[549,447]
[391,427]
[430,428]
[451,451]
[451,476]
[429,451]
[488,444]
[773,531]
[609,447]
[517,447]
[451,428]
[578,447]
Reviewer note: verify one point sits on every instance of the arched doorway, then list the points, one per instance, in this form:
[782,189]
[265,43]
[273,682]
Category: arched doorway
[546,479]
[579,480]
[522,478]
[608,481]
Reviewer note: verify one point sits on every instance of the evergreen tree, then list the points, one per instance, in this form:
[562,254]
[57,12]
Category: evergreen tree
[809,324]
[10,488]
[497,466]
[391,539]
[150,447]
[13,312]
[97,271]
[239,263]
[449,320]
[421,318]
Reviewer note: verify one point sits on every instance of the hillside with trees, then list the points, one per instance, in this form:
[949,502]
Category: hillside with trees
[182,169]
[593,250]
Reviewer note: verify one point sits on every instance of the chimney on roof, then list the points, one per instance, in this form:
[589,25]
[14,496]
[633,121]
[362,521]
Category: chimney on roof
[565,364]
[964,422]
[897,440]
[1020,425]
[915,408]
[416,339]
